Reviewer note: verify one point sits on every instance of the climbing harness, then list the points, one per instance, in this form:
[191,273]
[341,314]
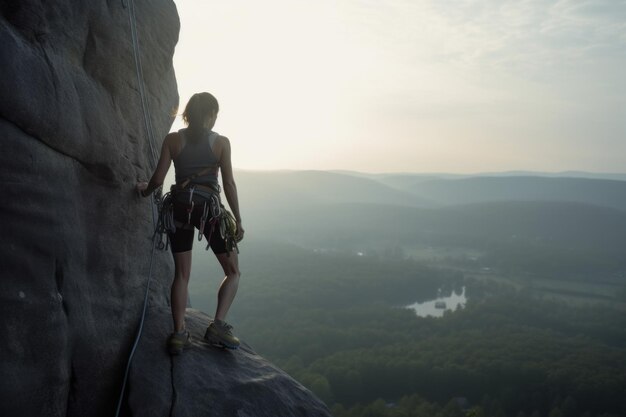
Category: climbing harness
[214,214]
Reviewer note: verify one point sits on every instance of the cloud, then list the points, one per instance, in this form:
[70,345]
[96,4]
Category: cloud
[531,35]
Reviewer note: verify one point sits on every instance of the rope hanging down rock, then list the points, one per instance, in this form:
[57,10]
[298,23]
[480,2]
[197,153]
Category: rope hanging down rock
[141,82]
[129,4]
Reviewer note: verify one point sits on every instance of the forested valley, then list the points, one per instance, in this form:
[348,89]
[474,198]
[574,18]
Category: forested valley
[542,334]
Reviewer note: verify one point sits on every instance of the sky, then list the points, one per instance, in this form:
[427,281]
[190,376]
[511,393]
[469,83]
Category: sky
[461,86]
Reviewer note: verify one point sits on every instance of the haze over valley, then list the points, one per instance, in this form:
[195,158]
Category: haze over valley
[332,261]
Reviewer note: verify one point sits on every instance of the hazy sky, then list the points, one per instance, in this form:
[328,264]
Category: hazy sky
[415,85]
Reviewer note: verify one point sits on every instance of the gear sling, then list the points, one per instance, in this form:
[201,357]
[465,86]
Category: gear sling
[213,212]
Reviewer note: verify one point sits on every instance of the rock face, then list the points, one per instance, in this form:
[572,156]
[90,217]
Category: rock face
[75,241]
[209,381]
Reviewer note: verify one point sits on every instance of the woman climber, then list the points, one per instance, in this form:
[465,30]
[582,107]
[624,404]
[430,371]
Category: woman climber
[199,154]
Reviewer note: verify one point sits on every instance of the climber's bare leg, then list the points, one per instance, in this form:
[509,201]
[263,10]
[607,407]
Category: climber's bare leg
[179,295]
[228,287]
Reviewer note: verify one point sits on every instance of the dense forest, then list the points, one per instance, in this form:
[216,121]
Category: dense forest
[332,260]
[334,321]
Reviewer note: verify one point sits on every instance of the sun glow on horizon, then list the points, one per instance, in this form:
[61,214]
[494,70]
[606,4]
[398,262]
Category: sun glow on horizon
[400,86]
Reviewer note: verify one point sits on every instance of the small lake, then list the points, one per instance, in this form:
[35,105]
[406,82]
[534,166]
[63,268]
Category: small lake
[436,307]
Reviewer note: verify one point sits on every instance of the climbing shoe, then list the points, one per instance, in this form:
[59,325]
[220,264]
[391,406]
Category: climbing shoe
[220,333]
[177,342]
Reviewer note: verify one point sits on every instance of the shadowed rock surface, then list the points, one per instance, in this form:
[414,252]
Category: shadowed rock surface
[209,381]
[75,240]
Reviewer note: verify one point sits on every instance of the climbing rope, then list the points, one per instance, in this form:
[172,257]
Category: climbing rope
[129,4]
[140,80]
[141,323]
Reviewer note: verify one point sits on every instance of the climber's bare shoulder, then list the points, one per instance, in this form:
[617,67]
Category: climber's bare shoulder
[221,147]
[174,142]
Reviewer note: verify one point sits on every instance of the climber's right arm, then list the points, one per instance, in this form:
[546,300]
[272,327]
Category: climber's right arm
[165,160]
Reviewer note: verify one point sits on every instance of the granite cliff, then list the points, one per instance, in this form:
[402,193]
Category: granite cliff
[75,240]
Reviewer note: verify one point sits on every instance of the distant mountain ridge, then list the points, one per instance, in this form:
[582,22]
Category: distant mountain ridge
[576,224]
[518,173]
[605,193]
[268,189]
[305,188]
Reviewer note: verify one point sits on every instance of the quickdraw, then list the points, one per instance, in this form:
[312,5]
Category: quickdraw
[165,222]
[191,204]
[213,206]
[228,230]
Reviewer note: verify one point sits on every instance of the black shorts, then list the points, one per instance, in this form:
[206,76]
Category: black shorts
[182,239]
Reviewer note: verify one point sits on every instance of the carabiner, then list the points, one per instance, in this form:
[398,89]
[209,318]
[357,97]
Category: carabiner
[191,204]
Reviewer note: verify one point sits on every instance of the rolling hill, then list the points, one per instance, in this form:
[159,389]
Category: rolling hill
[267,189]
[574,222]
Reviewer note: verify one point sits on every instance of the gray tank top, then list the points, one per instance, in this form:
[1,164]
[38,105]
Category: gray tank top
[196,156]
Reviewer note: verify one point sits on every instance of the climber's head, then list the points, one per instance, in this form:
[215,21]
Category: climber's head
[201,111]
